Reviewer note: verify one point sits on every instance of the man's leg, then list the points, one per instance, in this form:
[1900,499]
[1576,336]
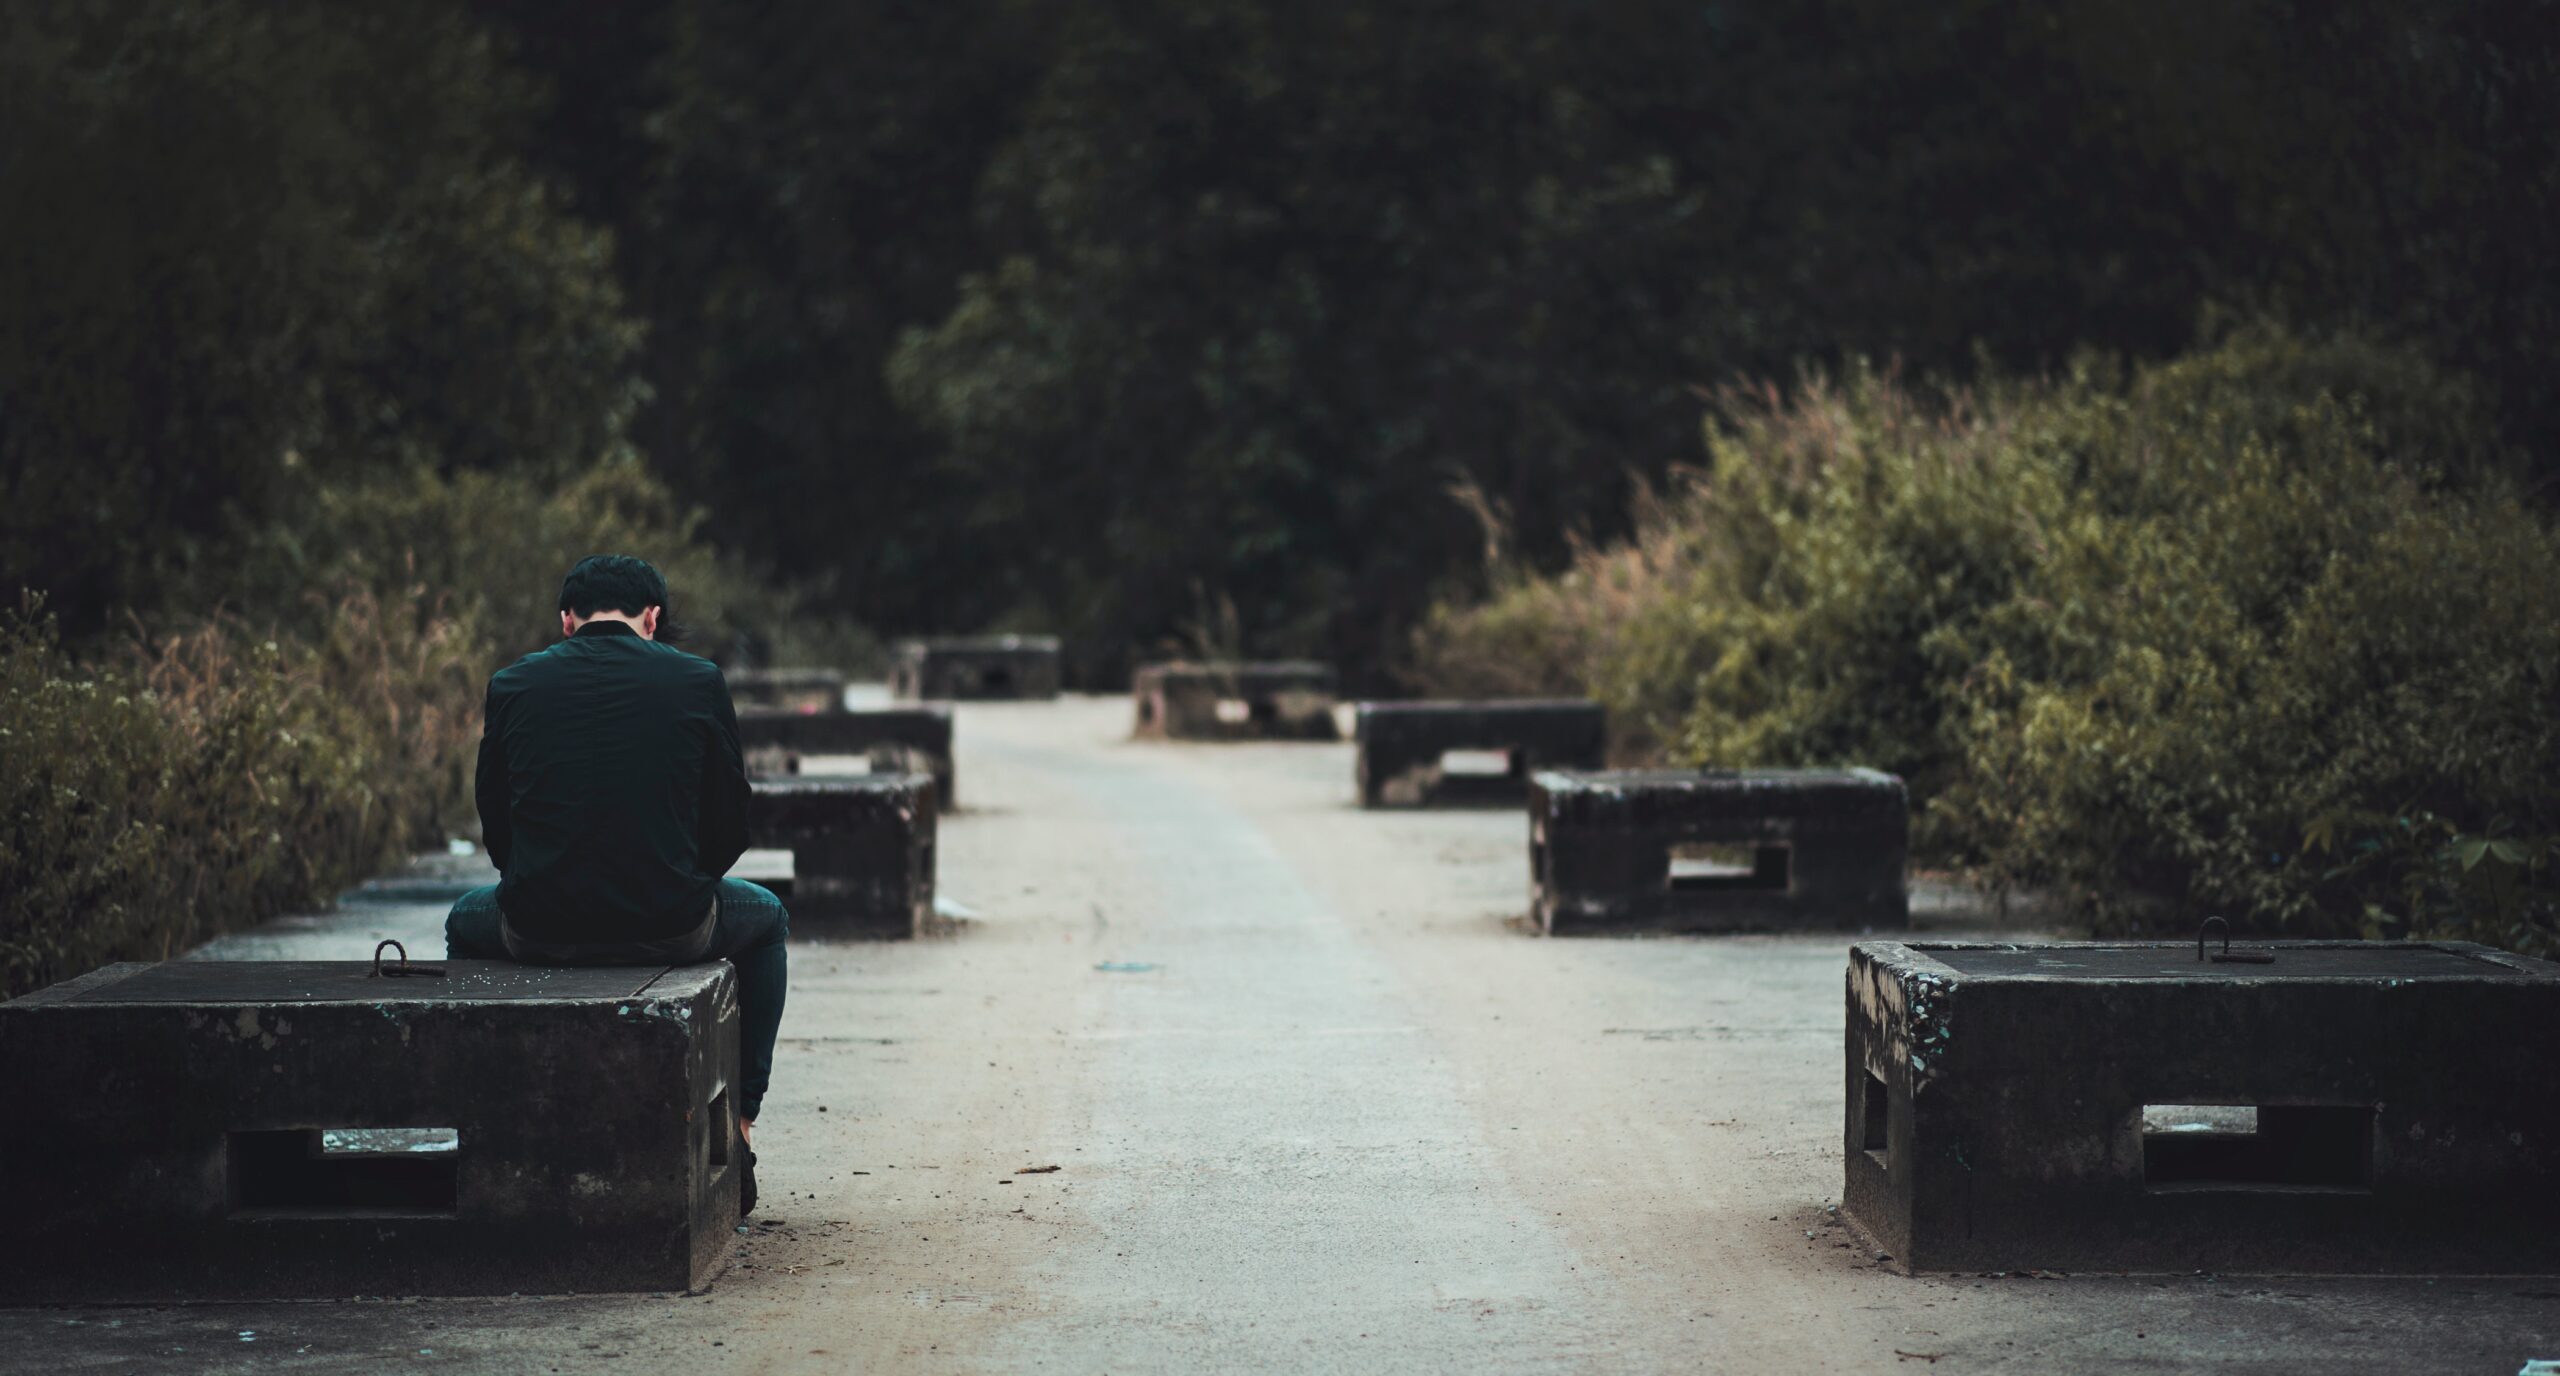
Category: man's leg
[752,929]
[471,929]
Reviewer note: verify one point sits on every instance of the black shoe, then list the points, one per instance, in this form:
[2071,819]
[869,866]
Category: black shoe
[746,1179]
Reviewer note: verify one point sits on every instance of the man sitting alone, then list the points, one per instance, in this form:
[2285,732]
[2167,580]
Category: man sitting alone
[613,797]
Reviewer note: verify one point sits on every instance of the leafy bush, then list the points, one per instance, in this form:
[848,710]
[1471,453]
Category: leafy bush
[492,547]
[1793,601]
[2262,630]
[206,780]
[2296,683]
[180,785]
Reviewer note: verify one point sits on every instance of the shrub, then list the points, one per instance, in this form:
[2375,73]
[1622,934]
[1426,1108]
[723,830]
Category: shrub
[2303,688]
[205,780]
[188,781]
[493,546]
[1798,599]
[2262,630]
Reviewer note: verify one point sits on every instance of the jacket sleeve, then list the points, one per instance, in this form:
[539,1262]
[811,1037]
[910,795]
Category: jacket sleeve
[489,787]
[725,790]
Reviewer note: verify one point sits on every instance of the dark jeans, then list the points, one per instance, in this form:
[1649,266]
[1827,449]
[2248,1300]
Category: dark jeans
[749,934]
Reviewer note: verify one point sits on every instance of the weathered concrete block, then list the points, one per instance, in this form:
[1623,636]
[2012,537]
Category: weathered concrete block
[862,851]
[797,690]
[1281,700]
[1717,851]
[977,667]
[913,739]
[287,1129]
[2351,1107]
[1404,748]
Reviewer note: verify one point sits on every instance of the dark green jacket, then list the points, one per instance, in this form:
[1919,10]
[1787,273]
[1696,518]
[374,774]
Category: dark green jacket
[612,793]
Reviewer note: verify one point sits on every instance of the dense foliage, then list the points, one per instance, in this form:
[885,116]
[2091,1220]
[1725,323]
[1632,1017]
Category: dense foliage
[311,386]
[2261,631]
[168,785]
[1245,322]
[1079,316]
[1076,316]
[488,547]
[247,242]
[195,783]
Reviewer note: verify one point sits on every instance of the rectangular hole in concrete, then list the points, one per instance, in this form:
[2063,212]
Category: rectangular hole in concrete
[2191,1119]
[1476,764]
[721,1129]
[1872,1135]
[1712,866]
[321,1172]
[2322,1147]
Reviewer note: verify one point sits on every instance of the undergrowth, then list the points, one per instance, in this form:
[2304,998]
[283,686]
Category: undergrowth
[203,772]
[2264,631]
[190,784]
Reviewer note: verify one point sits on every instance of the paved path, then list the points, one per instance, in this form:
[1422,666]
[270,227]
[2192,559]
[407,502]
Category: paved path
[1329,1110]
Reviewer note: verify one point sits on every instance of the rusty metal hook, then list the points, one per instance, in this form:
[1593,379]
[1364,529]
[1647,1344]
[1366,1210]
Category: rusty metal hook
[404,968]
[2227,956]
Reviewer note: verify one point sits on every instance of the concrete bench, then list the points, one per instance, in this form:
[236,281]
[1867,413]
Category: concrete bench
[967,668]
[799,690]
[1407,749]
[913,739]
[1283,700]
[284,1129]
[862,851]
[1717,851]
[2350,1107]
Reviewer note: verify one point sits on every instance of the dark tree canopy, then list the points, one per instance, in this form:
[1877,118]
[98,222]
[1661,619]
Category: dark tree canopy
[1239,293]
[245,240]
[1098,316]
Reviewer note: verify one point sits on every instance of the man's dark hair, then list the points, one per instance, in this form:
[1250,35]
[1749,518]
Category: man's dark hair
[614,583]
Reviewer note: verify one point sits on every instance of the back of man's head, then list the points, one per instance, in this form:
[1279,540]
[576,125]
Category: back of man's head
[613,583]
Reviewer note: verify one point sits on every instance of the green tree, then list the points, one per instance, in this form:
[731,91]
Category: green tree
[245,239]
[811,197]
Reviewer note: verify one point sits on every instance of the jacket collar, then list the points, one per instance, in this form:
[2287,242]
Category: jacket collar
[605,628]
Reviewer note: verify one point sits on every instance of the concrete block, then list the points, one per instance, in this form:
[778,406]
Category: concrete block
[897,740]
[2350,1107]
[862,851]
[1405,748]
[797,690]
[1280,700]
[288,1129]
[977,668]
[1717,851]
